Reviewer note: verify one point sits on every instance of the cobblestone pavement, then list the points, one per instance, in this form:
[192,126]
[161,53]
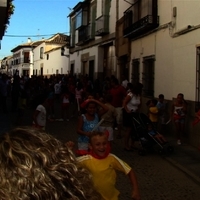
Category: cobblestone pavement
[158,179]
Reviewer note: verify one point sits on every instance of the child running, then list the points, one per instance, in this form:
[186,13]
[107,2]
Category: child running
[103,166]
[87,123]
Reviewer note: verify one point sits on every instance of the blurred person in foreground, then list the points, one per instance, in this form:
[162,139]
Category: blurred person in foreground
[35,165]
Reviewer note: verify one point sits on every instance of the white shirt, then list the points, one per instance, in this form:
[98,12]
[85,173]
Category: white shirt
[57,88]
[124,83]
[41,118]
[133,104]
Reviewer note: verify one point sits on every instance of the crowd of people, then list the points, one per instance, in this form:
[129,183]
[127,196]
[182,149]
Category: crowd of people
[102,107]
[41,93]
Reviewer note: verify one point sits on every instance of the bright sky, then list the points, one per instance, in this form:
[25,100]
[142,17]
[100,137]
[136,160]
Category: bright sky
[36,19]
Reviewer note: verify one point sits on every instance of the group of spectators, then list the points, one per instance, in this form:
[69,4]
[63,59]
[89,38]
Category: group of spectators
[47,168]
[110,103]
[66,89]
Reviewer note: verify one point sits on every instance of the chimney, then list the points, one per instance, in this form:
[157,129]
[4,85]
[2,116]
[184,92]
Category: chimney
[29,40]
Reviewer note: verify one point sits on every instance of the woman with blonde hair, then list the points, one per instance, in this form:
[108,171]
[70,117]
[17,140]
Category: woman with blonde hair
[35,165]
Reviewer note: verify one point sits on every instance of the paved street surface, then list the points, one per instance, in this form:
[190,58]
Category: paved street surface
[170,177]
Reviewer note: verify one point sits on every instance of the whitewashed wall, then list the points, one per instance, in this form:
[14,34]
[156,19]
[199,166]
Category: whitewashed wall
[36,58]
[76,59]
[175,65]
[122,6]
[55,61]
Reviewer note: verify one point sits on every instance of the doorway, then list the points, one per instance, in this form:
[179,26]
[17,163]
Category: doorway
[72,69]
[124,66]
[91,69]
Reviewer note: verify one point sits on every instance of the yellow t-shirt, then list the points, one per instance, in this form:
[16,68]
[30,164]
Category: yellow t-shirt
[153,114]
[104,173]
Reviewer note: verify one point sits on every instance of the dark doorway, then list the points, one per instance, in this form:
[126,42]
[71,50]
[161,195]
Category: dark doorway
[91,69]
[72,69]
[124,69]
[25,72]
[41,71]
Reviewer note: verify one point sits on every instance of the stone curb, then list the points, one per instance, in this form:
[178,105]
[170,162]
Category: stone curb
[183,169]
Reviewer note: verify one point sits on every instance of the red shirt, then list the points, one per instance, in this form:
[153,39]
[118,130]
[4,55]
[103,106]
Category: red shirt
[118,93]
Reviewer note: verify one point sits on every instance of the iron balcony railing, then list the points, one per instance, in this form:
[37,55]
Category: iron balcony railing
[140,18]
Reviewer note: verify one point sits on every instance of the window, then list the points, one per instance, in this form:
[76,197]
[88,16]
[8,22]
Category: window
[72,40]
[135,70]
[41,52]
[197,104]
[92,19]
[26,57]
[79,19]
[148,76]
[47,56]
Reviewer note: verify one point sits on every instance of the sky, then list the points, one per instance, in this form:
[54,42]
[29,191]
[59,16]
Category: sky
[36,19]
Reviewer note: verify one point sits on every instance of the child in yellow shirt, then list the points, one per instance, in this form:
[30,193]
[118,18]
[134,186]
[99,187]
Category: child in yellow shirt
[103,166]
[153,112]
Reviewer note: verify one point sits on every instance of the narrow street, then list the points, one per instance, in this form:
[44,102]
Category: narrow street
[158,179]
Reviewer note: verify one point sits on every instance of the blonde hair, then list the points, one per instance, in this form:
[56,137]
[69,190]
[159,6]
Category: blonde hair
[95,133]
[35,165]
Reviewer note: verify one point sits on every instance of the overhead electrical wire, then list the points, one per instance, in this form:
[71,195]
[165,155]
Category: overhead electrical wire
[33,35]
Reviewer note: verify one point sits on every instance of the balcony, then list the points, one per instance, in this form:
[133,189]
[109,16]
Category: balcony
[102,25]
[85,34]
[140,18]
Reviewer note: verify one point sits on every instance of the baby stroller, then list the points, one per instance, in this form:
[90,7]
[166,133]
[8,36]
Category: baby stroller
[141,132]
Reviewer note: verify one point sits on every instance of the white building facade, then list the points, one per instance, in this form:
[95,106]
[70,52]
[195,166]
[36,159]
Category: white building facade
[22,58]
[92,31]
[43,57]
[48,58]
[163,49]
